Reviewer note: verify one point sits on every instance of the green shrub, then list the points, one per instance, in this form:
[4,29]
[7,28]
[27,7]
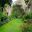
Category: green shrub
[25,27]
[28,29]
[28,16]
[18,12]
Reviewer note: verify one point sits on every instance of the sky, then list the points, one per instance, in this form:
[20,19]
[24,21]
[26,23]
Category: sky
[13,1]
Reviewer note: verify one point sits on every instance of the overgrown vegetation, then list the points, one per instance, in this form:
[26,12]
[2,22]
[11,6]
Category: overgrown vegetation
[18,12]
[18,21]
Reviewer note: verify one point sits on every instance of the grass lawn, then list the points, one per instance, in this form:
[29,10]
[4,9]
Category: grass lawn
[12,26]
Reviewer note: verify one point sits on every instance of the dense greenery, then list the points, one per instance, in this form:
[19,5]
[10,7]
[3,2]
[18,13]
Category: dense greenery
[18,21]
[18,12]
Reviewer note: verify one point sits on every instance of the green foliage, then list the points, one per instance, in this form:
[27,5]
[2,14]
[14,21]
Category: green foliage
[28,29]
[18,12]
[3,18]
[26,1]
[29,16]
